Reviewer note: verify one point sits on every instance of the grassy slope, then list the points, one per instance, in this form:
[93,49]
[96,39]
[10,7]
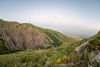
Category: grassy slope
[36,58]
[39,58]
[54,36]
[52,57]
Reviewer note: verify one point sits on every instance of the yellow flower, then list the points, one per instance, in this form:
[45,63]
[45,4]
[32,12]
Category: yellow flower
[58,61]
[78,54]
[24,64]
[15,65]
[64,57]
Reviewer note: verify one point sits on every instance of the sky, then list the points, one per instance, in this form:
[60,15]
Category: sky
[65,16]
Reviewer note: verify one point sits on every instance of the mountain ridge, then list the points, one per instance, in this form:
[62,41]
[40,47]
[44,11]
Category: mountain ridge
[28,36]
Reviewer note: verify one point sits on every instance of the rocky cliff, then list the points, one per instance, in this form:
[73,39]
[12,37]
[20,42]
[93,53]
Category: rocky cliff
[20,36]
[25,36]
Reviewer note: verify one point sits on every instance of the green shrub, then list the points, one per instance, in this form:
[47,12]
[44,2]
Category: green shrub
[94,44]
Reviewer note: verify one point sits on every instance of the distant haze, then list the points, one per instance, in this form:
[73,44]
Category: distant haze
[65,16]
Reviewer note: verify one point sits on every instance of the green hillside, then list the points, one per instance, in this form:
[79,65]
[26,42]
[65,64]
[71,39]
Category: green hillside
[52,35]
[18,36]
[63,55]
[53,57]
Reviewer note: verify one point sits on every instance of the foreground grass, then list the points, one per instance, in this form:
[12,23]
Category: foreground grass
[35,57]
[52,57]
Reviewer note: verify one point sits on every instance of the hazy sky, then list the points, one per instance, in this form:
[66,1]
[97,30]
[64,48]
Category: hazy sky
[65,16]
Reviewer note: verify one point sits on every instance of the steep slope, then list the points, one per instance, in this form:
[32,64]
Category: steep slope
[51,35]
[28,36]
[61,56]
[20,36]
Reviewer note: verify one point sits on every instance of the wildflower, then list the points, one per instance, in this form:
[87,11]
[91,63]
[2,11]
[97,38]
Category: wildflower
[58,61]
[72,60]
[9,64]
[95,48]
[59,49]
[65,57]
[92,47]
[7,60]
[65,62]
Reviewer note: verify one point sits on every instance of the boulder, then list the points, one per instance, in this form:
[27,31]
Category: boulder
[81,48]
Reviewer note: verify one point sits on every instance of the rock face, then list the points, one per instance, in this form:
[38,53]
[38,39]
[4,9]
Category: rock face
[28,36]
[97,57]
[21,36]
[81,48]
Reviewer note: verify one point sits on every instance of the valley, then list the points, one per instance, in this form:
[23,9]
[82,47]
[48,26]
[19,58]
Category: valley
[58,50]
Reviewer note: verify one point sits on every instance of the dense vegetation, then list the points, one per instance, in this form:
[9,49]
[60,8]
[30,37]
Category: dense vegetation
[60,55]
[53,57]
[94,44]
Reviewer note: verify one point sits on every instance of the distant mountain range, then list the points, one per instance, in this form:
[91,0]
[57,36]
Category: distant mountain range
[28,36]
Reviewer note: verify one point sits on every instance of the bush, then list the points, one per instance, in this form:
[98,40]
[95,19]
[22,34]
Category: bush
[94,44]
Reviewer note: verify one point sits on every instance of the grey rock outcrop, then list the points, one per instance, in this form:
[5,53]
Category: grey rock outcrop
[21,36]
[81,48]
